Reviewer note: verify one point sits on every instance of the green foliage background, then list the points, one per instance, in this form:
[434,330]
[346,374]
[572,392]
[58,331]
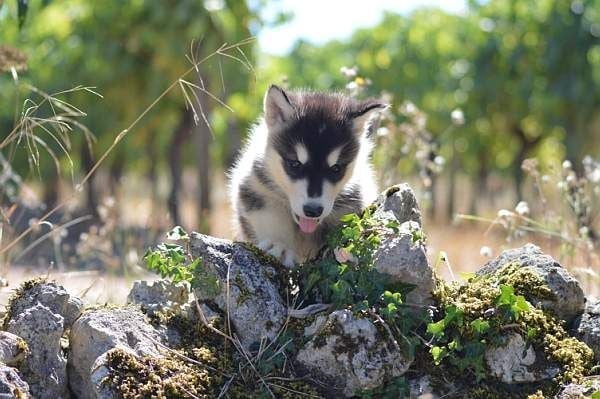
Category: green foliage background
[525,73]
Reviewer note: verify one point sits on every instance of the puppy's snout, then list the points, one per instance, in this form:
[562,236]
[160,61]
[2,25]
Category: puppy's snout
[312,210]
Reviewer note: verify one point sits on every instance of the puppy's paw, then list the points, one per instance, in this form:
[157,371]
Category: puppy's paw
[286,256]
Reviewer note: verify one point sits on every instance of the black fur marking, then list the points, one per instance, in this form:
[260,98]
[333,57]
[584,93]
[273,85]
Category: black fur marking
[349,200]
[259,170]
[323,123]
[247,228]
[250,199]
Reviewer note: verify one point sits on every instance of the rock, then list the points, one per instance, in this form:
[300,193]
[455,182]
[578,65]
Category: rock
[421,388]
[515,362]
[100,371]
[398,203]
[11,384]
[98,331]
[403,257]
[352,353]
[251,299]
[581,390]
[52,296]
[45,368]
[568,299]
[588,328]
[13,349]
[157,296]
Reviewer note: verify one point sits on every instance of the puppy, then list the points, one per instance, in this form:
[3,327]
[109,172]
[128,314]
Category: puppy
[306,164]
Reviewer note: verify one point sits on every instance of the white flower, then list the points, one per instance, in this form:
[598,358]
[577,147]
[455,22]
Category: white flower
[439,160]
[505,214]
[349,73]
[383,131]
[561,185]
[457,117]
[522,208]
[545,179]
[584,231]
[486,251]
[567,165]
[343,256]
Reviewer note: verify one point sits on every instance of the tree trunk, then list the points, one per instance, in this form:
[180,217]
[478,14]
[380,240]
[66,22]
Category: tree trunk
[203,140]
[88,164]
[180,135]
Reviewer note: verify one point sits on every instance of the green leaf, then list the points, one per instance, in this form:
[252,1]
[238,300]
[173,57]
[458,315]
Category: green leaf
[436,329]
[507,295]
[480,326]
[438,354]
[596,395]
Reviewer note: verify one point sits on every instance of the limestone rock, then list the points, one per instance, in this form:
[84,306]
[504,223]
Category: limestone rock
[100,330]
[13,349]
[45,368]
[568,299]
[398,203]
[588,328]
[513,362]
[158,295]
[11,384]
[352,354]
[52,296]
[582,390]
[403,257]
[251,298]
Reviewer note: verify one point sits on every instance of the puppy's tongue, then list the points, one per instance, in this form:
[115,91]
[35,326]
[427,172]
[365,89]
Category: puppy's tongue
[307,225]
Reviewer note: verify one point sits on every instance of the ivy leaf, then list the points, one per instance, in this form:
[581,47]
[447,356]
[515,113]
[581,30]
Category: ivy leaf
[437,329]
[438,353]
[480,326]
[507,295]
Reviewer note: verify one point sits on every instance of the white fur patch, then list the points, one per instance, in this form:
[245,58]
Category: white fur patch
[333,156]
[302,153]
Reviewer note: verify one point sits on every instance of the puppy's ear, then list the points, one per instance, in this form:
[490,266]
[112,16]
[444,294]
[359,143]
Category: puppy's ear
[365,113]
[278,107]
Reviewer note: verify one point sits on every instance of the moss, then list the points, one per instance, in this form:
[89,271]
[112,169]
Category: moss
[476,300]
[262,256]
[152,377]
[18,293]
[245,293]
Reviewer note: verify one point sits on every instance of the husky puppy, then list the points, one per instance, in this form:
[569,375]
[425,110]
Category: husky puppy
[305,165]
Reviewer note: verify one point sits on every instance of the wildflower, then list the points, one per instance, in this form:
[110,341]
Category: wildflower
[522,209]
[458,117]
[486,251]
[383,131]
[584,231]
[505,214]
[408,108]
[545,179]
[344,256]
[349,73]
[567,165]
[439,160]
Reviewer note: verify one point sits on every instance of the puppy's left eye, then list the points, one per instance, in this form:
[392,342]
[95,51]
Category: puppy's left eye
[336,168]
[293,164]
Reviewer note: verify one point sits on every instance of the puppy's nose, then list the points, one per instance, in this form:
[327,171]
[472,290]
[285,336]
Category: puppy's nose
[312,210]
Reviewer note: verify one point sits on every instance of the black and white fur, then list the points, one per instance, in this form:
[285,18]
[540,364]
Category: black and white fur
[306,160]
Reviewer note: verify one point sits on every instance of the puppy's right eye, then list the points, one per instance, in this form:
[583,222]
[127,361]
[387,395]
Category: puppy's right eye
[293,164]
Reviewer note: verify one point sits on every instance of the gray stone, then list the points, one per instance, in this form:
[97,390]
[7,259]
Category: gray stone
[588,328]
[251,297]
[403,257]
[11,384]
[351,353]
[399,203]
[568,299]
[513,362]
[45,368]
[52,296]
[98,331]
[13,349]
[582,390]
[100,371]
[158,296]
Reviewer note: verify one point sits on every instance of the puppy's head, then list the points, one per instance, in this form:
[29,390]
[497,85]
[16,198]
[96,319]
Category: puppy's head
[313,143]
